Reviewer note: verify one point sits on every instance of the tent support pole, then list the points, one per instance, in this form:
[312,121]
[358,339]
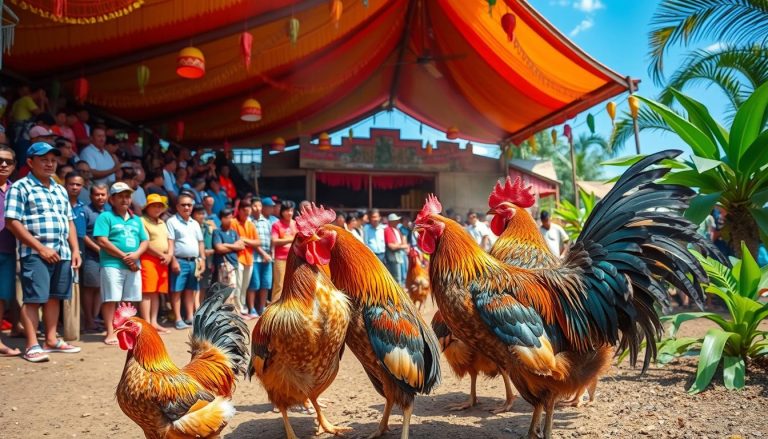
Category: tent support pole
[632,90]
[573,174]
[401,55]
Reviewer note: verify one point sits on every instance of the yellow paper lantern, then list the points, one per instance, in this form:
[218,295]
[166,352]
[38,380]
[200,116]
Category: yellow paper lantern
[278,144]
[634,106]
[190,63]
[250,111]
[324,142]
[611,107]
[452,133]
[554,136]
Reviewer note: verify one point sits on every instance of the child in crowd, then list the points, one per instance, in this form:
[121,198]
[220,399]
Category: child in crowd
[226,244]
[154,262]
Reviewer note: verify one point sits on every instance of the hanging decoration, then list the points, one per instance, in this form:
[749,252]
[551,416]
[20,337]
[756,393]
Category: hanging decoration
[190,63]
[142,76]
[611,108]
[491,4]
[324,142]
[293,30]
[421,128]
[568,133]
[452,133]
[337,7]
[554,136]
[533,145]
[81,89]
[508,23]
[278,144]
[80,11]
[634,106]
[246,46]
[179,130]
[351,134]
[250,111]
[591,123]
[429,147]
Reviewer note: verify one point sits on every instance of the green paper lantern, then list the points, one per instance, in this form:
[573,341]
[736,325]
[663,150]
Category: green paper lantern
[293,30]
[591,123]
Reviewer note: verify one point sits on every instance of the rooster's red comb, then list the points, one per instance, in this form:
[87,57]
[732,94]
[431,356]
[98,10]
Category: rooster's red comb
[123,312]
[511,192]
[432,205]
[312,218]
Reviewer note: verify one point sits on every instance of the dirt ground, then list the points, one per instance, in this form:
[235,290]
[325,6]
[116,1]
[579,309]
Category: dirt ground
[73,396]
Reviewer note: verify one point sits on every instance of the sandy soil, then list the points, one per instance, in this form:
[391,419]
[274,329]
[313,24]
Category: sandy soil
[73,396]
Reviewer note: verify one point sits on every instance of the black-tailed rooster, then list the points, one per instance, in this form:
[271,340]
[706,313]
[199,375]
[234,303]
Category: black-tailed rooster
[547,328]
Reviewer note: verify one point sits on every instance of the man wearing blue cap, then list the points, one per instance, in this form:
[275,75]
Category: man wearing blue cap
[38,213]
[261,279]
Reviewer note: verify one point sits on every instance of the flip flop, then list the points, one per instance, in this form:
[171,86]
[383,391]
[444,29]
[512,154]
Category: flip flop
[111,342]
[62,347]
[8,352]
[35,354]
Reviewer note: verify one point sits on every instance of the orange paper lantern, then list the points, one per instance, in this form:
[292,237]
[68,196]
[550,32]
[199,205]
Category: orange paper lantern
[278,144]
[250,111]
[190,63]
[452,133]
[337,7]
[429,148]
[324,141]
[508,23]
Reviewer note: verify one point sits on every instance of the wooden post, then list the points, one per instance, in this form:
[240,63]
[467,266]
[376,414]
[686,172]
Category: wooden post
[573,174]
[72,314]
[632,90]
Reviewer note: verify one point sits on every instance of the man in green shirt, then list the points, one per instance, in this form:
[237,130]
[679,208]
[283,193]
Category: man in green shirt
[123,240]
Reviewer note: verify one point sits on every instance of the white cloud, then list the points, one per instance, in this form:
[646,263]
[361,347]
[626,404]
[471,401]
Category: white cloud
[581,27]
[588,6]
[715,47]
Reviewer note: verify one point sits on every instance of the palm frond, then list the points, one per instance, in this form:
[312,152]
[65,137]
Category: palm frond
[675,22]
[647,120]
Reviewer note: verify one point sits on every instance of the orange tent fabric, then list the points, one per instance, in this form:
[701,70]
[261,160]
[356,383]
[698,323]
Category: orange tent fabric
[445,62]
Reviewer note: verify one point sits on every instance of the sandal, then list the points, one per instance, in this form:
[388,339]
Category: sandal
[35,354]
[112,342]
[9,352]
[63,347]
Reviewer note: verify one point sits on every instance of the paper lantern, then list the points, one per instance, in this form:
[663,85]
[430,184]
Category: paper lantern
[250,111]
[591,123]
[337,7]
[142,76]
[634,106]
[324,142]
[533,145]
[293,30]
[491,4]
[351,133]
[246,45]
[554,136]
[190,63]
[429,148]
[179,130]
[452,133]
[508,23]
[567,132]
[611,107]
[278,144]
[81,89]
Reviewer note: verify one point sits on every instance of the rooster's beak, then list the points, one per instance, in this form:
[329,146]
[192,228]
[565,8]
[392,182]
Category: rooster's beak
[491,212]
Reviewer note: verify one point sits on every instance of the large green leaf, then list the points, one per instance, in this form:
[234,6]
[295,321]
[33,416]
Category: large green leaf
[749,278]
[733,372]
[699,116]
[678,319]
[704,165]
[709,358]
[756,155]
[624,161]
[699,142]
[747,124]
[761,218]
[692,178]
[760,197]
[701,206]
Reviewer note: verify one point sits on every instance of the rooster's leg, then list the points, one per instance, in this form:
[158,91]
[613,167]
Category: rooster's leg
[510,395]
[472,401]
[323,424]
[533,431]
[548,419]
[384,424]
[591,390]
[289,434]
[406,421]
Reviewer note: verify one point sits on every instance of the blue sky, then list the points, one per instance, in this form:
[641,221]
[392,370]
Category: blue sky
[615,32]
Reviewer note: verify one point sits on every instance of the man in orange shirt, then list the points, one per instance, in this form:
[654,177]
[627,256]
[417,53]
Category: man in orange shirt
[227,185]
[247,233]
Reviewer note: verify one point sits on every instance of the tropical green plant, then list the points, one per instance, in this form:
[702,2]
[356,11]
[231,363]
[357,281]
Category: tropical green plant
[572,217]
[729,168]
[737,339]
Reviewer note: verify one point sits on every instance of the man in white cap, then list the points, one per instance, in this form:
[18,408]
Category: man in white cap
[396,248]
[123,240]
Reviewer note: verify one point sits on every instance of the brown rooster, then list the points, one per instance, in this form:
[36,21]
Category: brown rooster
[467,361]
[299,340]
[397,349]
[168,402]
[546,328]
[417,279]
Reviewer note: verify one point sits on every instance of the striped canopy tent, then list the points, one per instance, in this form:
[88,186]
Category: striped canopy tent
[447,63]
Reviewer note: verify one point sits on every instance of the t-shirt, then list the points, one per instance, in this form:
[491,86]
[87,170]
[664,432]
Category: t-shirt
[248,231]
[99,161]
[7,239]
[228,186]
[478,231]
[91,215]
[186,236]
[225,237]
[81,131]
[157,234]
[139,197]
[219,201]
[81,220]
[22,109]
[555,238]
[125,234]
[374,238]
[281,230]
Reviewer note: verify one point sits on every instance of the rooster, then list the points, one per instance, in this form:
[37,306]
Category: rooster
[547,328]
[467,361]
[299,340]
[417,279]
[190,402]
[397,349]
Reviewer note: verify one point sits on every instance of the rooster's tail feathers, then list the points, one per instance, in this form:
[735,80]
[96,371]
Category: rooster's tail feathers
[205,419]
[220,324]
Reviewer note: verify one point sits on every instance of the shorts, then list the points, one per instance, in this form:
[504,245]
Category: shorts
[186,279]
[262,276]
[278,276]
[154,275]
[7,277]
[120,285]
[90,276]
[41,281]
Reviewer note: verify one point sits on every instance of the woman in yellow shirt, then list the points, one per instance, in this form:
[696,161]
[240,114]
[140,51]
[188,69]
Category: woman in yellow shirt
[154,262]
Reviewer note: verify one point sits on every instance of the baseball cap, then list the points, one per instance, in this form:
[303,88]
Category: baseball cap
[393,217]
[122,187]
[266,201]
[40,131]
[41,148]
[156,199]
